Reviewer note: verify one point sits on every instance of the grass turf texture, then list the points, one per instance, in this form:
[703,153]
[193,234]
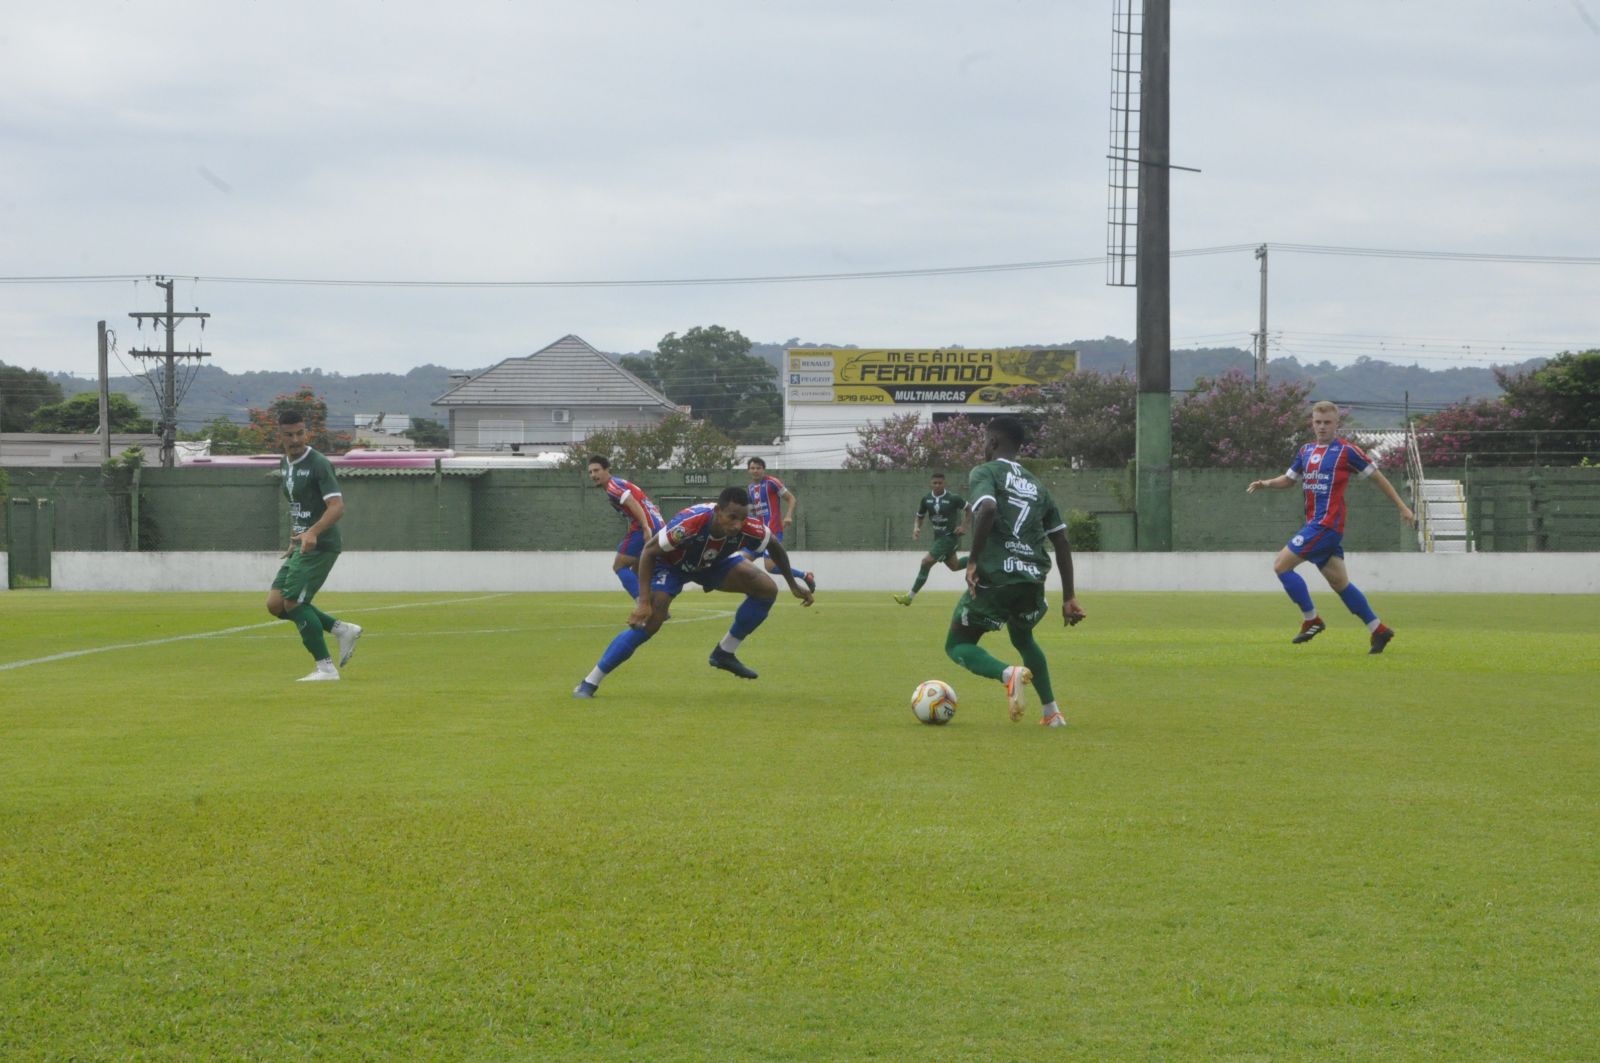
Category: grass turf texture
[1240,849]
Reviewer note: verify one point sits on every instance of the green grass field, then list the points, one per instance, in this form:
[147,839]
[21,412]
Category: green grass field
[1240,849]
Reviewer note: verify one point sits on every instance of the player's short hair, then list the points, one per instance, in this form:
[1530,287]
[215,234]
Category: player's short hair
[291,416]
[937,476]
[1327,407]
[760,463]
[730,495]
[1009,429]
[596,459]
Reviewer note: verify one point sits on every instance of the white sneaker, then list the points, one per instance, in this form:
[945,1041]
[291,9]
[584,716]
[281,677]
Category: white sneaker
[346,634]
[320,676]
[1017,677]
[1055,719]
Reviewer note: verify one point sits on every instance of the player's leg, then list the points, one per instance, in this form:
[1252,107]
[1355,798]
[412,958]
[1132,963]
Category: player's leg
[760,591]
[924,567]
[297,580]
[973,617]
[663,589]
[1338,577]
[1294,585]
[626,563]
[1035,667]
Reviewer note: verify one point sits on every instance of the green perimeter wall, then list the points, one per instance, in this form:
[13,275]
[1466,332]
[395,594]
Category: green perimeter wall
[546,509]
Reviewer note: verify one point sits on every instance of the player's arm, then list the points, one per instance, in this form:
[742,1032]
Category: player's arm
[1071,611]
[961,522]
[789,503]
[916,529]
[780,557]
[635,510]
[330,516]
[1387,488]
[1272,485]
[982,523]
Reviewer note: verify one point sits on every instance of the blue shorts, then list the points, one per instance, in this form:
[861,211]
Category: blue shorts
[1316,544]
[673,580]
[632,544]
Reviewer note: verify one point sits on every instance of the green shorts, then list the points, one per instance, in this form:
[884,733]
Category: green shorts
[944,545]
[303,575]
[992,608]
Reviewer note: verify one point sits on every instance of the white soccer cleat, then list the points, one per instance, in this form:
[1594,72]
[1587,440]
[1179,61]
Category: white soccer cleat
[346,633]
[319,676]
[1017,677]
[1055,719]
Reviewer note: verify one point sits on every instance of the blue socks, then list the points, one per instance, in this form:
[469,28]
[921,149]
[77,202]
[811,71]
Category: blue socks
[630,581]
[1295,587]
[622,648]
[1356,602]
[752,611]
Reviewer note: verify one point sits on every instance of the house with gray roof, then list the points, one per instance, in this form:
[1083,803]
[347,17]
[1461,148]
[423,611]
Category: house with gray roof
[548,400]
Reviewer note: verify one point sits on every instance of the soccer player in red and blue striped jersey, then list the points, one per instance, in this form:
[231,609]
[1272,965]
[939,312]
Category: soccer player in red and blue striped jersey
[644,520]
[1323,469]
[710,544]
[773,505]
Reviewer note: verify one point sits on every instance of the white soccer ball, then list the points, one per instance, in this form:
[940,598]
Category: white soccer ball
[934,701]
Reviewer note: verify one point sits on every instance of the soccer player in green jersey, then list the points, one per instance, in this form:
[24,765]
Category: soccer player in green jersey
[948,514]
[315,506]
[1013,517]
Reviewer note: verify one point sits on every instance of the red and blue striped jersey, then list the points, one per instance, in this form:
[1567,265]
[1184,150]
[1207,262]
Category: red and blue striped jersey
[766,502]
[689,541]
[1324,470]
[618,491]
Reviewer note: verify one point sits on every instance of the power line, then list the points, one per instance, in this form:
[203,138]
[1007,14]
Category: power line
[802,278]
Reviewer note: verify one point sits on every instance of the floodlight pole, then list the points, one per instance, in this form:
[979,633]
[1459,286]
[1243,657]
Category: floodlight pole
[1153,446]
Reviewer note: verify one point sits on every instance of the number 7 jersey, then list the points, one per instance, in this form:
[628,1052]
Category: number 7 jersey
[1018,548]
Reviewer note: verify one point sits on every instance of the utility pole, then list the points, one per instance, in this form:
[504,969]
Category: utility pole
[1261,337]
[1153,440]
[105,400]
[169,394]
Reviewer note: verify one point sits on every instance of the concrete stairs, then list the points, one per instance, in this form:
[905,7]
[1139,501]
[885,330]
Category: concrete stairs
[1443,522]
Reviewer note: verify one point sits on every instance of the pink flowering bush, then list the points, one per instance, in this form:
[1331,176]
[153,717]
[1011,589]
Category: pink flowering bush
[904,442]
[1088,418]
[1233,422]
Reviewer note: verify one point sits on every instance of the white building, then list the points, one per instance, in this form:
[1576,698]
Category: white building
[548,400]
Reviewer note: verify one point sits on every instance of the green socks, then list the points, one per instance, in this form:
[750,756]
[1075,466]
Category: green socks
[305,617]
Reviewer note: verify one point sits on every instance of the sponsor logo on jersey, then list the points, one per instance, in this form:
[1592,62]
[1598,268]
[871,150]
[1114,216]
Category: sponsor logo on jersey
[1017,564]
[1021,485]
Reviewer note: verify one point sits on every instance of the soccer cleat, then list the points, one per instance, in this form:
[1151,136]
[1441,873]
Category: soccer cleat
[1015,696]
[584,689]
[810,580]
[1381,638]
[1310,630]
[1055,719]
[346,634]
[319,676]
[903,599]
[721,658]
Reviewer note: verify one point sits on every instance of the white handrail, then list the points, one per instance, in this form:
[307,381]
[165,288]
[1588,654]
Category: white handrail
[1419,494]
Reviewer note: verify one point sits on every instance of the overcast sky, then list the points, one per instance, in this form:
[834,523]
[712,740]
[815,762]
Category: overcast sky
[674,139]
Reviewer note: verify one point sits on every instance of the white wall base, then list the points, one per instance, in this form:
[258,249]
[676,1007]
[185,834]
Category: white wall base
[855,571]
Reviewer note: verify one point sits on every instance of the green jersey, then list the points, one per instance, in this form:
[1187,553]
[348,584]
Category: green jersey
[943,512]
[1018,549]
[309,482]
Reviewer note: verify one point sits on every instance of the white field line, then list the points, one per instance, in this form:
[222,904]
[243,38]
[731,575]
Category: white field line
[68,654]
